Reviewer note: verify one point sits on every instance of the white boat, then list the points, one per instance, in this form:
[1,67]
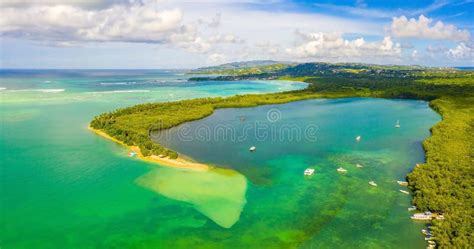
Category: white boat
[341,170]
[132,154]
[359,165]
[252,149]
[402,183]
[422,216]
[398,124]
[358,138]
[308,172]
[412,208]
[372,183]
[404,191]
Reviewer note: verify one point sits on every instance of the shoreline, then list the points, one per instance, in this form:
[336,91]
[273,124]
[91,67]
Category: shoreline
[179,162]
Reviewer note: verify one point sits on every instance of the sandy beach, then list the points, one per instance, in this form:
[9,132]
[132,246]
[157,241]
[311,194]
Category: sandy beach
[164,161]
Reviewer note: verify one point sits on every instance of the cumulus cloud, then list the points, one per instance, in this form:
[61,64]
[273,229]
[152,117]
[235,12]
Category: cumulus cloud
[462,51]
[190,38]
[135,22]
[63,23]
[334,46]
[425,29]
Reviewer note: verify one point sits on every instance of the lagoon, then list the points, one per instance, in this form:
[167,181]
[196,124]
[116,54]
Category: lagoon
[284,208]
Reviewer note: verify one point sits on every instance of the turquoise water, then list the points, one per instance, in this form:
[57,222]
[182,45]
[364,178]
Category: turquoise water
[63,187]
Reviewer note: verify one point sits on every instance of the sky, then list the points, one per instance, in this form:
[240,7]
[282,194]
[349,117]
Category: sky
[152,34]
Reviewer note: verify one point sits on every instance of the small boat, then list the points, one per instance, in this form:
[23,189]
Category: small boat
[341,170]
[404,191]
[242,118]
[359,165]
[372,183]
[358,138]
[132,154]
[308,172]
[402,183]
[398,124]
[252,149]
[412,208]
[422,216]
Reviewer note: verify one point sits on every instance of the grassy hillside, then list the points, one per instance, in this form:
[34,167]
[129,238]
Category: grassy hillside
[244,68]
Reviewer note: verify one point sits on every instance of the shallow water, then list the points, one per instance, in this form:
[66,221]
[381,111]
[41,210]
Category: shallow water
[63,187]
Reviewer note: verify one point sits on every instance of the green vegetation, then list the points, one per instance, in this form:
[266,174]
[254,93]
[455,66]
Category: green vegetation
[257,67]
[443,184]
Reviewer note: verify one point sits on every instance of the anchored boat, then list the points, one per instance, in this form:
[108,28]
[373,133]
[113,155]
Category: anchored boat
[422,216]
[341,170]
[402,183]
[308,172]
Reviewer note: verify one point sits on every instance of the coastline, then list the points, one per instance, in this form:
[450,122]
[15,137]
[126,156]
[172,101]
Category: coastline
[179,162]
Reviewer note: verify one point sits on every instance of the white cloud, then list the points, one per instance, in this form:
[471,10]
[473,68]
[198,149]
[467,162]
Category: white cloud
[423,28]
[462,51]
[334,46]
[135,22]
[84,3]
[193,40]
[62,23]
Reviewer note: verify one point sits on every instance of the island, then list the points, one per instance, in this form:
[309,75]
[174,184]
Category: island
[443,184]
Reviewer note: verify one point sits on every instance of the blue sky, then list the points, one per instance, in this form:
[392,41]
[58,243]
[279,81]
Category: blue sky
[189,34]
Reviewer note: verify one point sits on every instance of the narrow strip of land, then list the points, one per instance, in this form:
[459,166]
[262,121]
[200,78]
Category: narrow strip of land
[178,162]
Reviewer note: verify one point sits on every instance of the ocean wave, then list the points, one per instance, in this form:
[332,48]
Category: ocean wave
[3,88]
[121,91]
[52,90]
